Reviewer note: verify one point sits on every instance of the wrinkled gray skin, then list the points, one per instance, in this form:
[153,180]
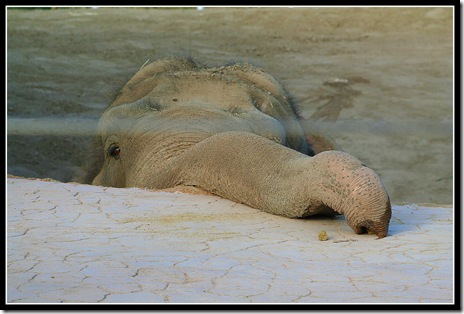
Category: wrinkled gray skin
[231,131]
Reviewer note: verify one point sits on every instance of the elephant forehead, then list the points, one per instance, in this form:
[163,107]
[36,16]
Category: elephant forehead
[197,87]
[145,116]
[213,88]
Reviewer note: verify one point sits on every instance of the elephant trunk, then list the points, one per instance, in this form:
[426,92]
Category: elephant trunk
[352,189]
[250,169]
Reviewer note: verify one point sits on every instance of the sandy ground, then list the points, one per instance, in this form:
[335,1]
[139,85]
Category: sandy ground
[377,80]
[90,244]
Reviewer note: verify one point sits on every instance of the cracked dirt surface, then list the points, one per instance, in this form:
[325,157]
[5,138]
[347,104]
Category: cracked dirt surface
[86,244]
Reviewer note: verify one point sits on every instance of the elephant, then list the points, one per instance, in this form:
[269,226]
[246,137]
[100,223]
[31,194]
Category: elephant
[235,132]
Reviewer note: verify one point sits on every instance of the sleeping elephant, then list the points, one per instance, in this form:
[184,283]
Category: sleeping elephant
[234,132]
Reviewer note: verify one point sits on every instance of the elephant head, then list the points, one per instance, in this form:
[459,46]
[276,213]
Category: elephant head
[232,131]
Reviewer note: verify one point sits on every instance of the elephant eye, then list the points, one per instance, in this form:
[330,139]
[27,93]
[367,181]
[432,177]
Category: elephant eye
[115,151]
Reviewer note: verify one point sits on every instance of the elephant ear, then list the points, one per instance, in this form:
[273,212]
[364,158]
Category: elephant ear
[317,141]
[270,97]
[142,81]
